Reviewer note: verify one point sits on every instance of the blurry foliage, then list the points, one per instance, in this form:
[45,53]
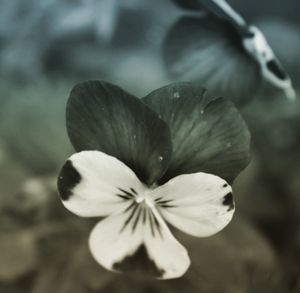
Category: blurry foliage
[32,126]
[18,254]
[43,248]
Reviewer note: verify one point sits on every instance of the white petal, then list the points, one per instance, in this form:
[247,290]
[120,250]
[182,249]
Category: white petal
[92,183]
[170,257]
[199,204]
[137,241]
[112,240]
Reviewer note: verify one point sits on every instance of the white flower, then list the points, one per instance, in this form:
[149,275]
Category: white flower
[133,182]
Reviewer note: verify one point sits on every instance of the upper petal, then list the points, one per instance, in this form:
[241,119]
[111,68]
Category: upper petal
[209,137]
[92,183]
[199,204]
[103,117]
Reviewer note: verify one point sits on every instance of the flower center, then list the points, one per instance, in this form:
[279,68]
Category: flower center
[145,199]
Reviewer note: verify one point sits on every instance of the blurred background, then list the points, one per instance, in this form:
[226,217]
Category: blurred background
[48,46]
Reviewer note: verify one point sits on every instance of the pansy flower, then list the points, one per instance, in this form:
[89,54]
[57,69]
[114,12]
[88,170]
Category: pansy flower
[169,157]
[196,45]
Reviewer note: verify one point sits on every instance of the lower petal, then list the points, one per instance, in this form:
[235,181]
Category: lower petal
[111,241]
[170,257]
[137,241]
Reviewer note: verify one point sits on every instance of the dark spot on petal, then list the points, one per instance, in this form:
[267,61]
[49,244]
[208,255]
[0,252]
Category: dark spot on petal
[140,263]
[276,69]
[68,178]
[228,201]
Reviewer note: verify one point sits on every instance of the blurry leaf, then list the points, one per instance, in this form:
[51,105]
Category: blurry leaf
[18,255]
[31,200]
[12,174]
[32,127]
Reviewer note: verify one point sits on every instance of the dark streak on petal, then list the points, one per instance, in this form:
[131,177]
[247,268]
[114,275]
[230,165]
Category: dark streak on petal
[228,201]
[130,207]
[139,262]
[151,223]
[165,203]
[158,199]
[67,180]
[157,225]
[144,215]
[133,190]
[130,216]
[126,192]
[137,218]
[168,206]
[125,197]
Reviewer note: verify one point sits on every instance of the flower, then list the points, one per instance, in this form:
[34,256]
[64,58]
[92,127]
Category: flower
[168,157]
[195,47]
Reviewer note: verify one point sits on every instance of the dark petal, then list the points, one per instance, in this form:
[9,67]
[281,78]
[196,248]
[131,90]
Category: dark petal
[103,117]
[209,51]
[207,136]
